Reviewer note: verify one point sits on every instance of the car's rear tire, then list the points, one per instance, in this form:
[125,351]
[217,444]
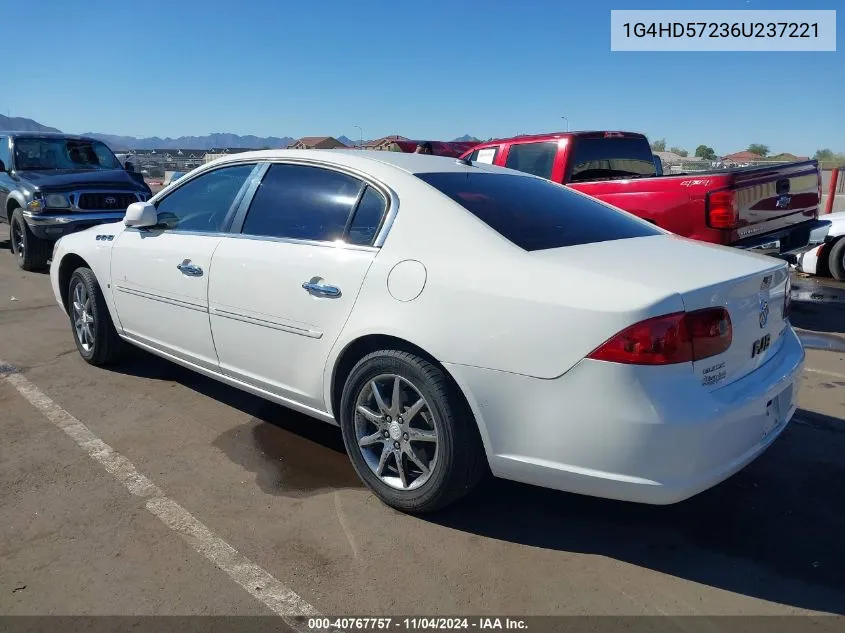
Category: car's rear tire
[93,329]
[31,253]
[428,429]
[836,260]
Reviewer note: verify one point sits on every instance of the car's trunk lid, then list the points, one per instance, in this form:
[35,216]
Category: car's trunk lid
[751,287]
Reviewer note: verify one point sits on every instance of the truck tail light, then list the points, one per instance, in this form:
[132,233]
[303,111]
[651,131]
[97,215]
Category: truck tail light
[680,337]
[722,211]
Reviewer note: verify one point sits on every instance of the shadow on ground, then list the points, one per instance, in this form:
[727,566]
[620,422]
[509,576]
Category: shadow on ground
[818,304]
[774,531]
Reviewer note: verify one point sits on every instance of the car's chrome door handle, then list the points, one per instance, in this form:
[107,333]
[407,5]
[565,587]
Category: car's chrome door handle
[189,269]
[321,290]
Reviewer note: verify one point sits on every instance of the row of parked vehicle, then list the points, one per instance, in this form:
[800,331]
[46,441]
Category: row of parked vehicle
[453,317]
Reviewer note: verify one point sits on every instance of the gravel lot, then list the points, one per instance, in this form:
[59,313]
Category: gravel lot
[278,488]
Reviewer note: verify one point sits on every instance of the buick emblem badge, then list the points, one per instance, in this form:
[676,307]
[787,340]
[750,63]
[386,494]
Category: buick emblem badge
[764,313]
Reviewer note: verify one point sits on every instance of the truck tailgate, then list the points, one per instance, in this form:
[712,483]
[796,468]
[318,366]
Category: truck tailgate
[767,199]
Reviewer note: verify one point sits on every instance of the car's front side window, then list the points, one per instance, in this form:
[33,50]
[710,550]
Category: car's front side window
[203,203]
[302,202]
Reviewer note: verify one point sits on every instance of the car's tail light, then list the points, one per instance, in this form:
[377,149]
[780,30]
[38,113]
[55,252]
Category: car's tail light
[674,338]
[818,206]
[722,211]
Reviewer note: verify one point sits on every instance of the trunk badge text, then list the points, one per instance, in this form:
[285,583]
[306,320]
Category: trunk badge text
[761,345]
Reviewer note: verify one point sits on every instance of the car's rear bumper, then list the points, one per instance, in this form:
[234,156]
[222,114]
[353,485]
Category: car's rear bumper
[789,242]
[646,434]
[52,226]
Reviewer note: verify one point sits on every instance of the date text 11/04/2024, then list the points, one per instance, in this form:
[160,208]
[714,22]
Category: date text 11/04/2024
[416,623]
[722,29]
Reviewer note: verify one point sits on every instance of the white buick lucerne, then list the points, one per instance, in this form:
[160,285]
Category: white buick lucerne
[450,317]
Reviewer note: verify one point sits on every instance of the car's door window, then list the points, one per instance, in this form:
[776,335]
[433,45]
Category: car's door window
[203,204]
[485,155]
[302,202]
[367,219]
[533,158]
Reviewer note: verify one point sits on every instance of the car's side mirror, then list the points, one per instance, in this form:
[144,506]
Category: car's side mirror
[140,214]
[3,167]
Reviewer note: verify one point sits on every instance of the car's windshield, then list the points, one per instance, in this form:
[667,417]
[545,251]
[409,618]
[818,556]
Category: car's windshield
[62,153]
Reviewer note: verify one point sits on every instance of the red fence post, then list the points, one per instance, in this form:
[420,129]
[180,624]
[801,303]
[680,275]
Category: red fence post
[831,190]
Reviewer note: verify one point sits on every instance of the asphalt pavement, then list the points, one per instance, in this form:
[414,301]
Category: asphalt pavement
[150,490]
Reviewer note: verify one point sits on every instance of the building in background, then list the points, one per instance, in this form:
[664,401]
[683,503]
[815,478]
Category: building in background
[316,142]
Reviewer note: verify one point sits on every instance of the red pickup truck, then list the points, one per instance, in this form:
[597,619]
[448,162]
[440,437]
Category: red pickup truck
[772,208]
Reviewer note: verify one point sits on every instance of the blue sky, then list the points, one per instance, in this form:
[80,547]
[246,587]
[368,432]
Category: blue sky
[431,69]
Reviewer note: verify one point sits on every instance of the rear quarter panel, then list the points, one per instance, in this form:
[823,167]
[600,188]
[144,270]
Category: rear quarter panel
[485,302]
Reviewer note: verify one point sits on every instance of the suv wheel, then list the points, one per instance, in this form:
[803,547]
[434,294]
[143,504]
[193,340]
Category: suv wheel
[410,436]
[31,253]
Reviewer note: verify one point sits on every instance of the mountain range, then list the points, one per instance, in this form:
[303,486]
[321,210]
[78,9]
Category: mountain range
[209,141]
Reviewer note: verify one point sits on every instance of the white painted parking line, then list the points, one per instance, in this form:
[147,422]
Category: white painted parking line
[253,579]
[824,372]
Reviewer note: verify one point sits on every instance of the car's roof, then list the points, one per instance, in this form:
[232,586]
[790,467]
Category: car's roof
[410,163]
[72,137]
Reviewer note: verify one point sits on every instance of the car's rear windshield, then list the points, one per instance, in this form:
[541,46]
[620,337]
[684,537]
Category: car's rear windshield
[533,213]
[610,158]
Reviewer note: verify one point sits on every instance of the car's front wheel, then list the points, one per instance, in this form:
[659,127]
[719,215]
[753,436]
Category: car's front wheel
[409,434]
[31,253]
[93,330]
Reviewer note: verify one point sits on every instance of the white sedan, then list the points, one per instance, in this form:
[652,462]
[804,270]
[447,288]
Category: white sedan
[452,318]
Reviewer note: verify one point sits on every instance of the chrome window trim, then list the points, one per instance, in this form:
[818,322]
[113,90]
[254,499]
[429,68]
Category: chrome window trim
[273,325]
[289,240]
[162,299]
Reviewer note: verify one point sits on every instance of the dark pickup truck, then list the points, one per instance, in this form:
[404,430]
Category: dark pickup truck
[772,208]
[55,184]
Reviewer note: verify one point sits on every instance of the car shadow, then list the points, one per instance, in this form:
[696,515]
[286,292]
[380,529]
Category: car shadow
[774,531]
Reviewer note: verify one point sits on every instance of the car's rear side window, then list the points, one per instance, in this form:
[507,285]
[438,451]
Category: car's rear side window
[533,213]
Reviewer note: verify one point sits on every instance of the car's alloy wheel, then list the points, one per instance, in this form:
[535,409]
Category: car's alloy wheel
[84,322]
[31,253]
[93,330]
[396,431]
[18,241]
[409,432]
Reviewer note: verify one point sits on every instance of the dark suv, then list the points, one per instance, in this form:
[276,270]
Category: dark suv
[55,184]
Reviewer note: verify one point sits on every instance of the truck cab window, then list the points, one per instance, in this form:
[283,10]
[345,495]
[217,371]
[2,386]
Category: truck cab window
[611,158]
[533,158]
